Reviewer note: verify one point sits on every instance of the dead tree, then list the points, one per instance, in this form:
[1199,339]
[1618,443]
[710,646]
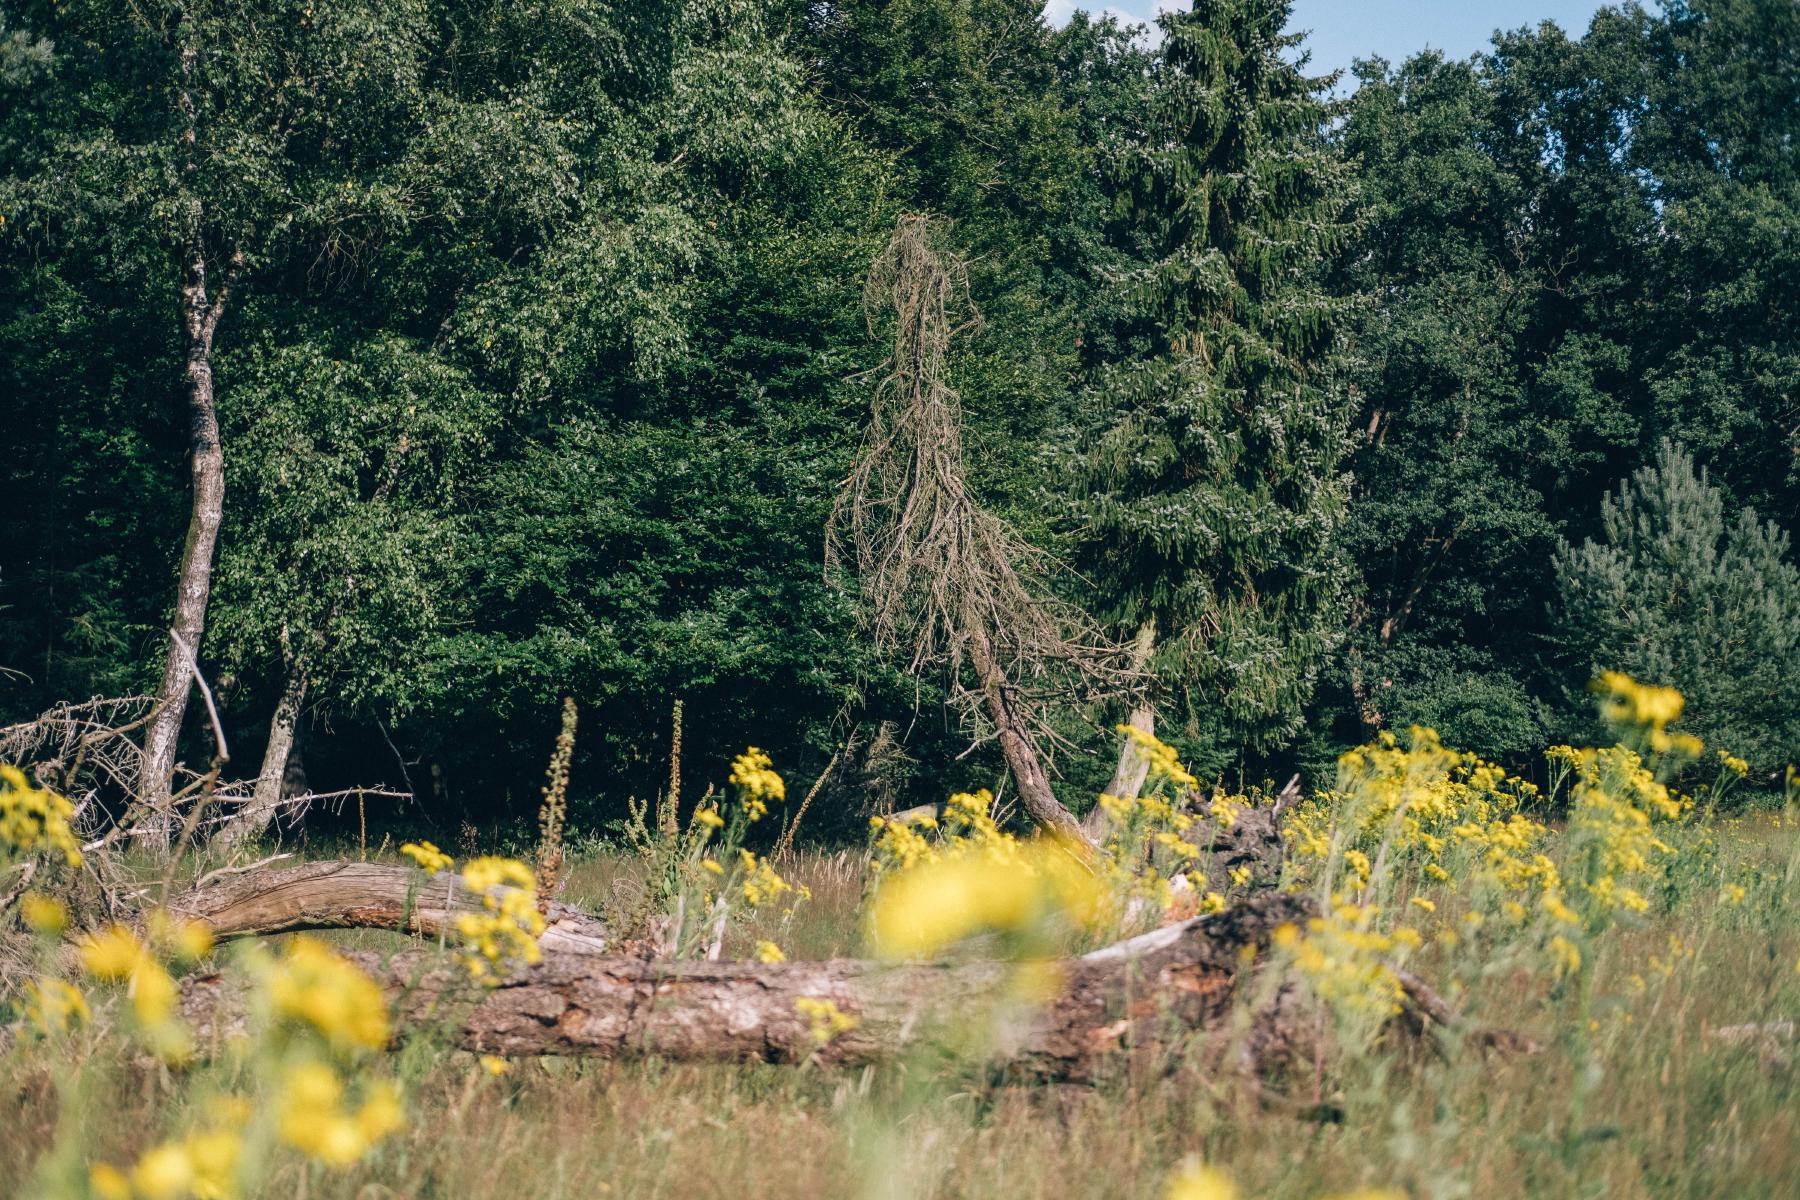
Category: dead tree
[334,894]
[946,584]
[1146,996]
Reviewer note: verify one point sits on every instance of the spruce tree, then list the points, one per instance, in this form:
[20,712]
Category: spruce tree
[1210,495]
[1676,592]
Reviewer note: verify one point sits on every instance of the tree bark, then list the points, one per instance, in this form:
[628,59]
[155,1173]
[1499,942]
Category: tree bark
[200,320]
[265,799]
[333,894]
[1134,767]
[1021,753]
[1142,998]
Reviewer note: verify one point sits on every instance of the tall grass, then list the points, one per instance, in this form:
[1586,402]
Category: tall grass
[1670,1108]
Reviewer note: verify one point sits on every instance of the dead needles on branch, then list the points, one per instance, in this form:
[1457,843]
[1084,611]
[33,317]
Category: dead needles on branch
[948,585]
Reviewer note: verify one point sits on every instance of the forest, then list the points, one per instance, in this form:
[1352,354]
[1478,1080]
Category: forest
[972,509]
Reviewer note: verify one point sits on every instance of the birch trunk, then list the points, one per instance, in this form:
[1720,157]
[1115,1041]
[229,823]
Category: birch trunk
[200,319]
[256,815]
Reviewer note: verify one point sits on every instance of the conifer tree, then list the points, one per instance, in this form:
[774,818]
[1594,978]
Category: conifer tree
[1210,496]
[1675,592]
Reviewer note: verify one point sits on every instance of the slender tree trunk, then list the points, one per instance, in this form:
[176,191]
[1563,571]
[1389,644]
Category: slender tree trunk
[1128,777]
[1021,753]
[265,800]
[200,319]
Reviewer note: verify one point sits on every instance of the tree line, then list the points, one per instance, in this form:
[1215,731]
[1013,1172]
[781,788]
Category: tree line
[408,366]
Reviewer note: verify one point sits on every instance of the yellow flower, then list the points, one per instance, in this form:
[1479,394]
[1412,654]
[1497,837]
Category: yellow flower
[757,783]
[1429,906]
[480,874]
[314,987]
[35,819]
[43,914]
[108,1182]
[493,1064]
[710,818]
[1197,1182]
[1733,893]
[1018,890]
[428,857]
[113,953]
[189,941]
[314,1121]
[510,924]
[164,1173]
[1565,955]
[713,865]
[769,952]
[54,1006]
[153,993]
[825,1020]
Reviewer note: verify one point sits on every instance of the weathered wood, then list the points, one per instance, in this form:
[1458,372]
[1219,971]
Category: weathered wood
[334,894]
[1145,996]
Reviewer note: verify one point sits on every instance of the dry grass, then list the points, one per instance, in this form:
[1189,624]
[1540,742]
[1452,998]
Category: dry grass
[1668,1110]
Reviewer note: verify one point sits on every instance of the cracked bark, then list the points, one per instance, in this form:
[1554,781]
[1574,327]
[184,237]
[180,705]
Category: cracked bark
[1145,998]
[334,894]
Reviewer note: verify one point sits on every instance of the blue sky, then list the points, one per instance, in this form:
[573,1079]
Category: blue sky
[1347,29]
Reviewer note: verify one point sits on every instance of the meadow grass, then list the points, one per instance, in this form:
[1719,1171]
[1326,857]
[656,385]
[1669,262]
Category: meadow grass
[1633,1094]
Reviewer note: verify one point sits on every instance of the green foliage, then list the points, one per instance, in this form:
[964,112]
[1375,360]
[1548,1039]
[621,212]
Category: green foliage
[1210,495]
[538,377]
[1675,591]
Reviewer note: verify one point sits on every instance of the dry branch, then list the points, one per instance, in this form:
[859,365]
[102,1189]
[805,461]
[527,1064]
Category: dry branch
[355,895]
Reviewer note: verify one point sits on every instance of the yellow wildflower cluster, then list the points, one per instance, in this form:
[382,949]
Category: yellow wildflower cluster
[204,1164]
[315,1119]
[825,1020]
[1420,805]
[1030,893]
[1345,959]
[1615,804]
[1642,713]
[35,820]
[427,857]
[313,988]
[313,1008]
[43,915]
[509,925]
[761,884]
[752,773]
[117,954]
[54,1006]
[1164,764]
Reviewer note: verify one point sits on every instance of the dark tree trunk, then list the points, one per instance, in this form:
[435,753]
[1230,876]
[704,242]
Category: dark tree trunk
[1021,753]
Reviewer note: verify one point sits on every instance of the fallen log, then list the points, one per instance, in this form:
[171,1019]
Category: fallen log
[335,894]
[1147,995]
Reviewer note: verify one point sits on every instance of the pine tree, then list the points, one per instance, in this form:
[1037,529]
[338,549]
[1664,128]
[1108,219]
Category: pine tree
[1210,497]
[1674,592]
